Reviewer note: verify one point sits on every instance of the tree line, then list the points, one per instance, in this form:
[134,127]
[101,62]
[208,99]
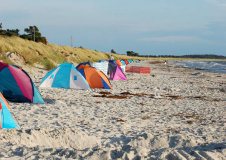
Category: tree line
[129,53]
[31,33]
[201,56]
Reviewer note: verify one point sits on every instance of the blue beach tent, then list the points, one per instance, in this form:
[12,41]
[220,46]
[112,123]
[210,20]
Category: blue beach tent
[65,76]
[6,120]
[84,63]
[123,62]
[102,60]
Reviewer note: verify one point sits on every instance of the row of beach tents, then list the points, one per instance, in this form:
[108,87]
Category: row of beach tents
[16,84]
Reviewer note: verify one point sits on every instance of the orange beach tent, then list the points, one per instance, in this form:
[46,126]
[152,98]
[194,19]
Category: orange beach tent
[94,77]
[118,62]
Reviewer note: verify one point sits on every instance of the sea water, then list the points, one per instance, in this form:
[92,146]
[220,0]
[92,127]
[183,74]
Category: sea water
[208,66]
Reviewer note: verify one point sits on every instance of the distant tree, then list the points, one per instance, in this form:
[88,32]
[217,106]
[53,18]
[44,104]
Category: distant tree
[25,36]
[33,31]
[207,56]
[34,34]
[113,51]
[136,54]
[132,53]
[12,32]
[129,53]
[1,31]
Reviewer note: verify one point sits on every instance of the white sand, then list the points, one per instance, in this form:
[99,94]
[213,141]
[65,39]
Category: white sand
[182,116]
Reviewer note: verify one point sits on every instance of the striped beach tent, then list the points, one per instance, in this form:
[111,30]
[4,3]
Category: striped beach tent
[101,66]
[123,66]
[16,85]
[6,120]
[102,60]
[65,76]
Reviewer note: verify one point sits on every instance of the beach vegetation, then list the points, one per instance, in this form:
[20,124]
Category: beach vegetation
[113,51]
[34,34]
[50,55]
[132,53]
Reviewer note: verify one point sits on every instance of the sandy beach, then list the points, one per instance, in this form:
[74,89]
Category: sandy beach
[173,113]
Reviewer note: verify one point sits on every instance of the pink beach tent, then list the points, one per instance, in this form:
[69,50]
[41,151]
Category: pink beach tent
[16,85]
[115,71]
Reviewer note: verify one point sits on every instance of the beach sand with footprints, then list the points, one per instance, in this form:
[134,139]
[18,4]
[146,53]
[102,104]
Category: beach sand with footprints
[172,113]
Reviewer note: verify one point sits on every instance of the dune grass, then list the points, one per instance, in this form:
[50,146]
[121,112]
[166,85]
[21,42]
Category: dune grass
[50,55]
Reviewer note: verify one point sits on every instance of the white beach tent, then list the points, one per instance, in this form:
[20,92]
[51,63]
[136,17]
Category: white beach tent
[65,76]
[101,66]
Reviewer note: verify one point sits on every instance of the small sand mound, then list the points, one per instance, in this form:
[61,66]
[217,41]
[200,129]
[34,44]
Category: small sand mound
[50,138]
[16,58]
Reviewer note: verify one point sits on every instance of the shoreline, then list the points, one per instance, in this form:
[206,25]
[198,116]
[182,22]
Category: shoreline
[171,113]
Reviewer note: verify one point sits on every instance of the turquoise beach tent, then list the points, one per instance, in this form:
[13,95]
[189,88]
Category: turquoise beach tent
[123,62]
[6,120]
[16,85]
[65,76]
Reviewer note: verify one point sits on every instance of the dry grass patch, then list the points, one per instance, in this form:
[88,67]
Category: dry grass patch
[172,130]
[189,122]
[98,102]
[121,120]
[143,104]
[105,93]
[144,111]
[187,116]
[204,98]
[145,117]
[117,97]
[156,112]
[108,95]
[172,96]
[155,62]
[137,94]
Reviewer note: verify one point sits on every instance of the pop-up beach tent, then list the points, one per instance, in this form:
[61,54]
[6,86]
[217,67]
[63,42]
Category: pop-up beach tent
[65,76]
[118,62]
[94,77]
[123,65]
[115,71]
[16,85]
[101,66]
[126,61]
[123,62]
[6,120]
[102,60]
[84,64]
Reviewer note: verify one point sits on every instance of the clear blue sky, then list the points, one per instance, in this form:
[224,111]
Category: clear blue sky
[155,27]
